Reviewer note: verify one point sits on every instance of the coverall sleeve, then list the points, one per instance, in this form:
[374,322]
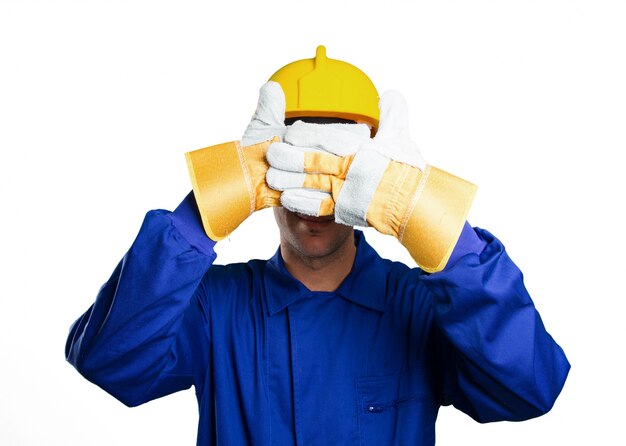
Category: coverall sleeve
[136,340]
[498,362]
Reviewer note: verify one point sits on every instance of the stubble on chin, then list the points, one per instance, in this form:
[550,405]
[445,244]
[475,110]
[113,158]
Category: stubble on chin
[313,246]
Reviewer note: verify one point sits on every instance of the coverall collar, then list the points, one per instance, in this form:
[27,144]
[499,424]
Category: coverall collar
[365,285]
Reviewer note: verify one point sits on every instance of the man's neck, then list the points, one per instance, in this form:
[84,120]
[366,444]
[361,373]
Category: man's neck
[321,273]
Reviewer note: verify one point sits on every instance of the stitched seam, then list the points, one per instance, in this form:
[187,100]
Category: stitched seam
[418,192]
[247,177]
[391,204]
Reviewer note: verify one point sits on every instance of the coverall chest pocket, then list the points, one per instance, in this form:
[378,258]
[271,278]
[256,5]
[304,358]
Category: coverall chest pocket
[388,416]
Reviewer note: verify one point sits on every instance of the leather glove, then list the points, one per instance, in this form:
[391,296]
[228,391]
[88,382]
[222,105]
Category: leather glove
[384,184]
[304,142]
[229,179]
[268,120]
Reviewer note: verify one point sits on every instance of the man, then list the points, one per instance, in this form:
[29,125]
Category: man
[325,343]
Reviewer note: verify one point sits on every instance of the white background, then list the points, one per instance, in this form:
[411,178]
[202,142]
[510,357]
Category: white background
[100,99]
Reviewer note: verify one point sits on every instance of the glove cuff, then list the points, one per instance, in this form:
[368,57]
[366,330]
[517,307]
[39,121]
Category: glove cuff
[435,217]
[229,184]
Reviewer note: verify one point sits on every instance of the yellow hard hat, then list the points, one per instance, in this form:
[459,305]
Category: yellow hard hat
[328,88]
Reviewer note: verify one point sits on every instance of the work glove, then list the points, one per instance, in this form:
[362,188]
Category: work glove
[384,183]
[268,120]
[229,179]
[304,142]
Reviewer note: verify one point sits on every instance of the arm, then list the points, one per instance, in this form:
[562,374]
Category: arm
[498,361]
[146,335]
[131,341]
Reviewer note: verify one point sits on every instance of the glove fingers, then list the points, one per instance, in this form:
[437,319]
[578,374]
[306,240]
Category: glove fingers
[394,116]
[309,202]
[393,138]
[290,158]
[281,180]
[287,157]
[271,106]
[339,139]
[269,118]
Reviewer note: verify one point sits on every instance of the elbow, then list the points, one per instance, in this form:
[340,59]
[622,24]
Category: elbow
[545,380]
[524,403]
[549,382]
[114,376]
[127,400]
[128,394]
[109,379]
[541,399]
[551,389]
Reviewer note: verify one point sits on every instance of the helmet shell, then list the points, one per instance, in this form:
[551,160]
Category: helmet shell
[329,88]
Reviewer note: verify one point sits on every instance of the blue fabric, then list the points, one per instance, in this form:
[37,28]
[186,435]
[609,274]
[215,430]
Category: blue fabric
[186,218]
[469,242]
[273,363]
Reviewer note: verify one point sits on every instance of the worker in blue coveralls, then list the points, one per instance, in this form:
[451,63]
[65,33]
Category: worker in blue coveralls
[326,343]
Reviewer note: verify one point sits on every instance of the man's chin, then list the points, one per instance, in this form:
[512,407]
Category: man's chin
[309,236]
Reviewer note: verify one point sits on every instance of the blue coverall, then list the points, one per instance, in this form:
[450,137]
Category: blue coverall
[273,363]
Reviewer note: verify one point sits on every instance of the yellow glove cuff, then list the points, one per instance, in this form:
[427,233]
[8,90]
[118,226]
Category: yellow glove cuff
[425,211]
[229,184]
